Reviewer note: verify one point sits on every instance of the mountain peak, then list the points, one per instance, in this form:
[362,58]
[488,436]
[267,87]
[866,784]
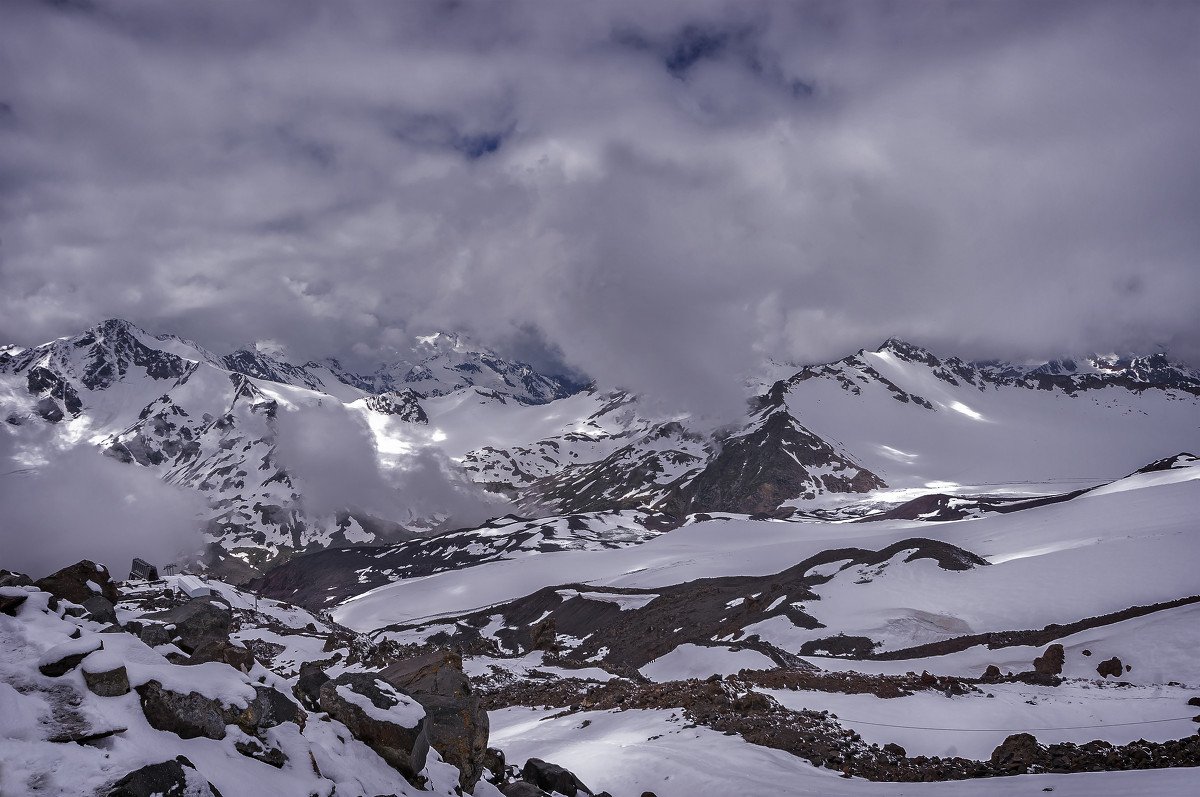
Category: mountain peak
[908,351]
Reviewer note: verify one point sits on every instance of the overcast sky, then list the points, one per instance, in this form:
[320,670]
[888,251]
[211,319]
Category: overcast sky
[665,191]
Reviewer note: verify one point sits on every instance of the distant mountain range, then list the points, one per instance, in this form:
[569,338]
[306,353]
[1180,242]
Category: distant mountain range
[874,424]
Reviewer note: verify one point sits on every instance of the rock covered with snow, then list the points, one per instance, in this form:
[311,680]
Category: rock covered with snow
[173,778]
[80,582]
[388,721]
[105,674]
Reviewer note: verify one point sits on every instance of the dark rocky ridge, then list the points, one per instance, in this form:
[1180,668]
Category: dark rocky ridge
[703,610]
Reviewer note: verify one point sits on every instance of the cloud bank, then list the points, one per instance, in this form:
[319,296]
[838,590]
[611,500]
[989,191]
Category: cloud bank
[66,504]
[666,192]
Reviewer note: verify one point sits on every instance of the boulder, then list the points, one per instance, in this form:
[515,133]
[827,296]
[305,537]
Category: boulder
[1111,667]
[1050,662]
[891,748]
[101,609]
[493,761]
[308,686]
[191,715]
[79,582]
[553,778]
[390,723]
[105,675]
[519,788]
[277,708]
[177,778]
[223,650]
[1016,752]
[197,621]
[456,722]
[61,659]
[991,673]
[11,579]
[10,602]
[154,634]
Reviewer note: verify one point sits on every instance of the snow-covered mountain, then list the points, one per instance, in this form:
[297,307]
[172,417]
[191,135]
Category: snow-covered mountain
[213,425]
[256,436]
[441,364]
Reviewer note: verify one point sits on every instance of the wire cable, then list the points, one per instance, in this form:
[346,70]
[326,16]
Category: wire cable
[1007,730]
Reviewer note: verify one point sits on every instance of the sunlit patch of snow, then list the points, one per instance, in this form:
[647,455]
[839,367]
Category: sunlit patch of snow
[897,454]
[959,407]
[1041,550]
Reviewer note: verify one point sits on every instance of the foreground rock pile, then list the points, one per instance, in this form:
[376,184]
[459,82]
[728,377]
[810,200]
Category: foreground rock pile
[175,670]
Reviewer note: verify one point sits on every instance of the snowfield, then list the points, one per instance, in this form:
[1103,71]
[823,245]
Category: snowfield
[631,752]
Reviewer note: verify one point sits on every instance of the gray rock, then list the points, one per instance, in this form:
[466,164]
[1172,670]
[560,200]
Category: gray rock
[197,621]
[154,635]
[277,708]
[177,778]
[519,788]
[192,715]
[11,579]
[61,659]
[71,583]
[223,650]
[101,609]
[308,686]
[111,683]
[493,761]
[552,777]
[10,603]
[403,748]
[187,716]
[457,725]
[1111,667]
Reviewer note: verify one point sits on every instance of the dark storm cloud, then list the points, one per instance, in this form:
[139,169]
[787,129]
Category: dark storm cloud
[664,192]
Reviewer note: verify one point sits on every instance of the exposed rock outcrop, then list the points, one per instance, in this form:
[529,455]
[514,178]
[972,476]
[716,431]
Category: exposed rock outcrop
[79,582]
[457,724]
[1050,662]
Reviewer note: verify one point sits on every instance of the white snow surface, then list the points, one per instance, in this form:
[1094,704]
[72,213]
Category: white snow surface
[405,712]
[1053,564]
[630,752]
[700,661]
